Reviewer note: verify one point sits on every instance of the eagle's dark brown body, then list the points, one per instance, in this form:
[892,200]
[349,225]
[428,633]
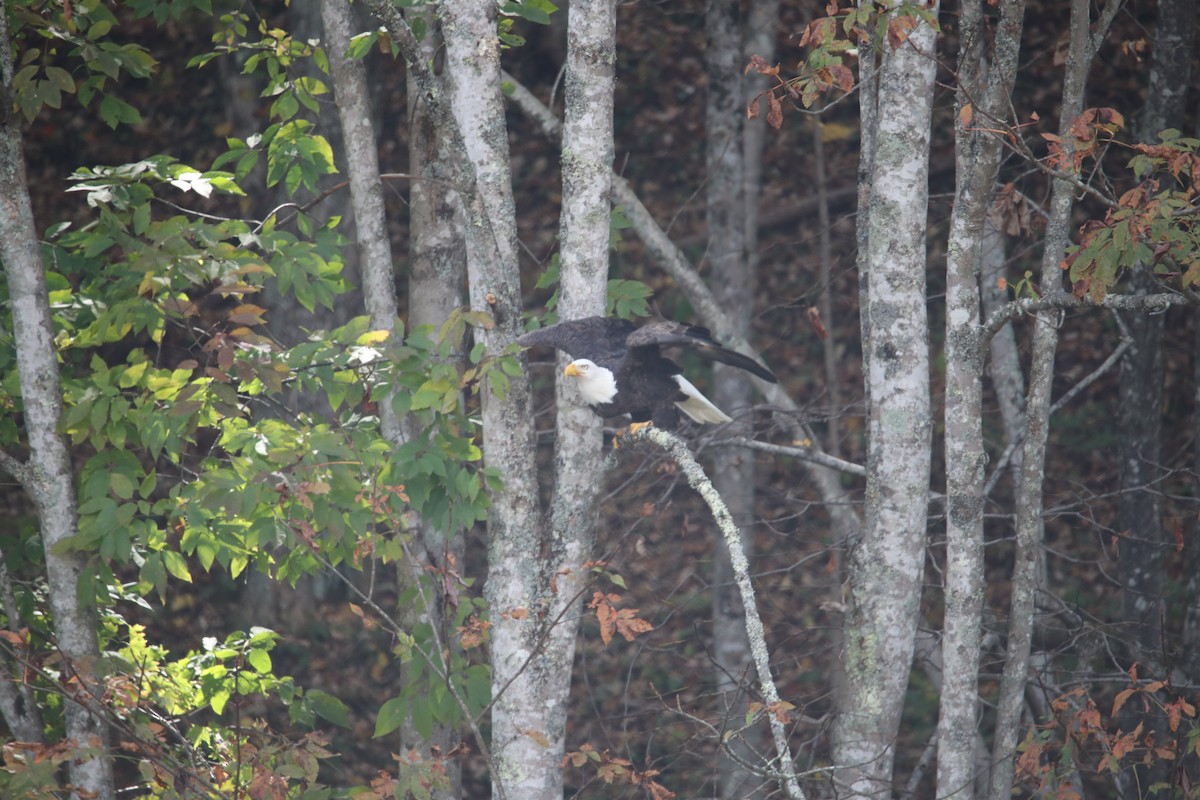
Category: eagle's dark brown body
[649,387]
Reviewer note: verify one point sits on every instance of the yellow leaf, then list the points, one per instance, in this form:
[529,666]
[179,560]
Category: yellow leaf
[373,337]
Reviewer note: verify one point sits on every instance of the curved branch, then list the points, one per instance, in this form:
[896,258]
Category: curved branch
[678,450]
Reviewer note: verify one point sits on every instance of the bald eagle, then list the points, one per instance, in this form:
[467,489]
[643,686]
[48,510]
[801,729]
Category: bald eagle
[620,368]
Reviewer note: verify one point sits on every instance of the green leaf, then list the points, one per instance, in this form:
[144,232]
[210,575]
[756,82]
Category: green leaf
[285,106]
[329,707]
[260,660]
[121,485]
[219,700]
[176,565]
[391,716]
[422,716]
[538,11]
[115,111]
[362,44]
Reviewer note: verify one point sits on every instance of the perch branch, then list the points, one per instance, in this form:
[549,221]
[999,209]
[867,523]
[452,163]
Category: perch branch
[679,452]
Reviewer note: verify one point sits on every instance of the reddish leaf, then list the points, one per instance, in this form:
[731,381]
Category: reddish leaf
[814,319]
[760,65]
[774,111]
[1120,700]
[899,29]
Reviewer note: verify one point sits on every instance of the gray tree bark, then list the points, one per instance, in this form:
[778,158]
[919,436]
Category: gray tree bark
[1084,39]
[587,159]
[886,563]
[437,268]
[1142,569]
[429,547]
[437,258]
[983,94]
[525,709]
[727,216]
[47,476]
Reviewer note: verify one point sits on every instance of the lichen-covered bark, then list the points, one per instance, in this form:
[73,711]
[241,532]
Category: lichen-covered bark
[523,710]
[47,476]
[437,258]
[885,564]
[366,189]
[977,158]
[782,768]
[587,158]
[429,547]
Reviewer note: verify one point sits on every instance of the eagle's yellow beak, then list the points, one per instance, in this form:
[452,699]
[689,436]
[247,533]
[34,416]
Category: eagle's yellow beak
[573,370]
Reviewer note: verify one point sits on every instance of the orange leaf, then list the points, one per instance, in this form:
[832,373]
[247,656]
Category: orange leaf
[538,737]
[1121,699]
[899,29]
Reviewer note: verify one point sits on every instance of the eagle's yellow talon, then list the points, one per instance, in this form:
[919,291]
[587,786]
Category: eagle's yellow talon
[634,427]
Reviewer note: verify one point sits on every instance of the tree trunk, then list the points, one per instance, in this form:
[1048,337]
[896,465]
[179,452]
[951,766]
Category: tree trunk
[47,476]
[732,279]
[437,268]
[428,547]
[437,259]
[977,157]
[1142,567]
[587,159]
[525,709]
[886,563]
[1082,48]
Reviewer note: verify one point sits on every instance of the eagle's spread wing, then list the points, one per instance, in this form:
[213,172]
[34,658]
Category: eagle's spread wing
[597,339]
[693,337]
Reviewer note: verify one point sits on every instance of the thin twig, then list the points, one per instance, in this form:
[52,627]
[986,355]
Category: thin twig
[802,453]
[1112,360]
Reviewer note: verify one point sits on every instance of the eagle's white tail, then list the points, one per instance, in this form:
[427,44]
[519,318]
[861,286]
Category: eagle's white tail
[697,406]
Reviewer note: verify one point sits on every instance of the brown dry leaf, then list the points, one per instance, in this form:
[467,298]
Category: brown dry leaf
[899,29]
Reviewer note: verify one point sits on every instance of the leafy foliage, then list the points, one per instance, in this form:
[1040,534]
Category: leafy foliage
[1080,739]
[835,41]
[1152,225]
[175,396]
[59,43]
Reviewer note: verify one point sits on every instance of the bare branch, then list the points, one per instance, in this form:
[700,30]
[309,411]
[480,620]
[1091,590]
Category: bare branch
[1060,300]
[698,480]
[802,453]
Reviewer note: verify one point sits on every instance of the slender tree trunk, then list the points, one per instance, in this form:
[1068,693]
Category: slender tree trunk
[1004,358]
[984,92]
[47,476]
[1142,566]
[437,269]
[429,547]
[436,255]
[1082,48]
[732,279]
[18,705]
[587,159]
[886,563]
[526,710]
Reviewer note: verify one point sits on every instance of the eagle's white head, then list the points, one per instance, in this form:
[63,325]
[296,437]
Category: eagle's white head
[596,384]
